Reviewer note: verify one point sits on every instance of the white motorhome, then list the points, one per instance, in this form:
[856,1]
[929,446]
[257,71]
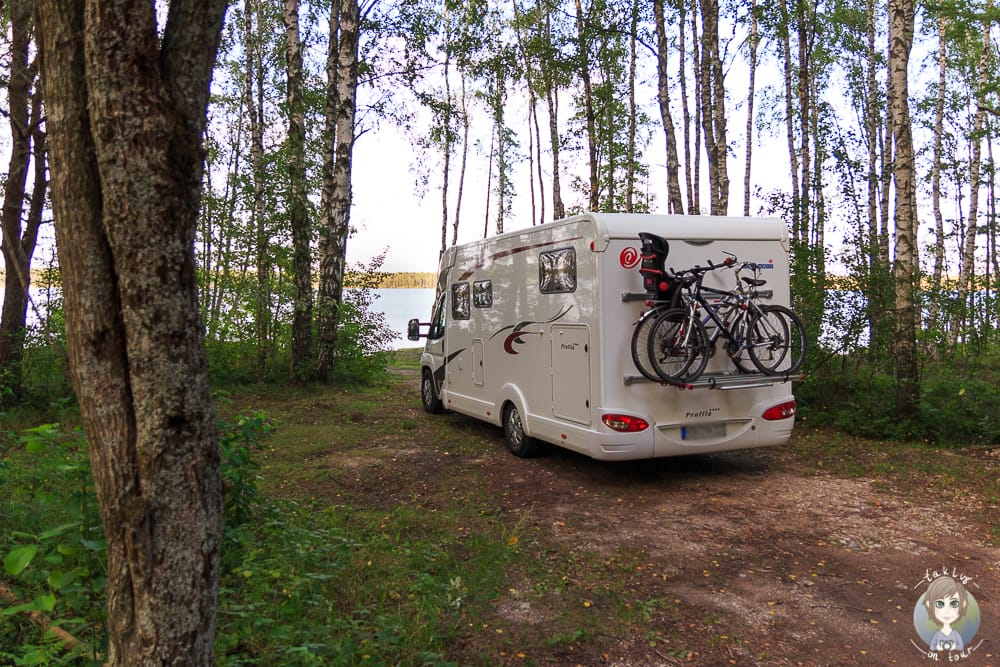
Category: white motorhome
[531,331]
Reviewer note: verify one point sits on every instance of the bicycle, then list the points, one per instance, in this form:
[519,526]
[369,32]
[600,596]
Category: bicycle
[664,293]
[679,344]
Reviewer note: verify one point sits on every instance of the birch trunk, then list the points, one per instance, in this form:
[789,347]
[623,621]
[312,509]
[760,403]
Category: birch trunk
[675,203]
[966,282]
[754,39]
[255,112]
[706,88]
[630,156]
[552,104]
[461,169]
[295,200]
[336,227]
[446,169]
[583,42]
[718,95]
[905,265]
[793,154]
[695,202]
[804,80]
[538,165]
[938,269]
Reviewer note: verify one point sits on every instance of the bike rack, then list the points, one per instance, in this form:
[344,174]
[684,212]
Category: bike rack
[724,381]
[721,381]
[628,297]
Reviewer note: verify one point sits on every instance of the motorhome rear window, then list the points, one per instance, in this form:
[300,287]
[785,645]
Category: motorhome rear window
[460,309]
[482,294]
[557,271]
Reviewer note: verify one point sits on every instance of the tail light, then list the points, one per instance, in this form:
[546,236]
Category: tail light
[625,423]
[781,411]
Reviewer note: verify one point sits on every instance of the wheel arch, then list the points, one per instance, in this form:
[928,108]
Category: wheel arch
[511,394]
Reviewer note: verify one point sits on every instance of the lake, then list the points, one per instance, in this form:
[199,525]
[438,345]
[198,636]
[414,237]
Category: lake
[402,305]
[398,305]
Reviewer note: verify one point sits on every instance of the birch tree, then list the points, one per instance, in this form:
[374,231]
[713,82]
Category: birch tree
[713,109]
[296,202]
[752,43]
[968,252]
[905,264]
[335,212]
[584,37]
[675,203]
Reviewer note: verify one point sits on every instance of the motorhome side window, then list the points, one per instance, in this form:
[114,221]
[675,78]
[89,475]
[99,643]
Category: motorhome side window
[482,294]
[460,301]
[437,318]
[557,271]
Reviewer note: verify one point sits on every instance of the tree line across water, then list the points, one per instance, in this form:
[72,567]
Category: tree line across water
[397,279]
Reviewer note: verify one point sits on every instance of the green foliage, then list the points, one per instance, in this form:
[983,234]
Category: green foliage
[362,340]
[54,551]
[363,335]
[42,374]
[239,441]
[956,409]
[52,543]
[321,585]
[45,366]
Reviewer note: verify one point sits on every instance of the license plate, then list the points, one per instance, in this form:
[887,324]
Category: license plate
[703,431]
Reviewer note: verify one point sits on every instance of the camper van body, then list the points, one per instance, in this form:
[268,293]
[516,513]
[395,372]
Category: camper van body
[539,321]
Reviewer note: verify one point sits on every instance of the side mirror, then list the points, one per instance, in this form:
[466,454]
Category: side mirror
[413,329]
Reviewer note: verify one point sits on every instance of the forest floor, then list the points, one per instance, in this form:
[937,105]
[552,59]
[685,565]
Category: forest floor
[811,553]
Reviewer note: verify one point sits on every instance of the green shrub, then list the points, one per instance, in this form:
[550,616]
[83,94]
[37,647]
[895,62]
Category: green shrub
[52,542]
[239,441]
[957,402]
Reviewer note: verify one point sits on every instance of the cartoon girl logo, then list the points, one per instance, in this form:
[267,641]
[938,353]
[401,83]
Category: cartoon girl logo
[946,616]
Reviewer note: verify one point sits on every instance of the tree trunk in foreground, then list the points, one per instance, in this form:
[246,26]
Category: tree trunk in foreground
[126,111]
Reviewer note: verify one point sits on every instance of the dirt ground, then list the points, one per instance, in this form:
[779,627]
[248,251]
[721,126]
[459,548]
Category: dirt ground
[761,557]
[810,570]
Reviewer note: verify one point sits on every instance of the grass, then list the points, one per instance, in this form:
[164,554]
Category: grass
[382,538]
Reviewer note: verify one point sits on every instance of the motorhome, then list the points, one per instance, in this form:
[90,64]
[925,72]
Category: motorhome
[531,329]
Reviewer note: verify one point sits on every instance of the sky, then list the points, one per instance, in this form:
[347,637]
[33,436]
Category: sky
[388,212]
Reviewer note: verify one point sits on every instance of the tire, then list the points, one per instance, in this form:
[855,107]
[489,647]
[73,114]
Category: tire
[777,341]
[678,346]
[518,443]
[428,394]
[640,345]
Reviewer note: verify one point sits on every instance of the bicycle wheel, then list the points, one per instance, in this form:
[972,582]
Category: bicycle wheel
[678,346]
[640,344]
[777,342]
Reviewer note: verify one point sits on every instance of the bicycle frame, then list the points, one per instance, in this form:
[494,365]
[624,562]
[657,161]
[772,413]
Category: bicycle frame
[737,299]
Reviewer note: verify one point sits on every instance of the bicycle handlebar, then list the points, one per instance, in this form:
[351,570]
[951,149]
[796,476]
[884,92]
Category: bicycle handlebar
[691,278]
[698,270]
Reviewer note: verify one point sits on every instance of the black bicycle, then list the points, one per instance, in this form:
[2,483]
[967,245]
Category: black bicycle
[681,339]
